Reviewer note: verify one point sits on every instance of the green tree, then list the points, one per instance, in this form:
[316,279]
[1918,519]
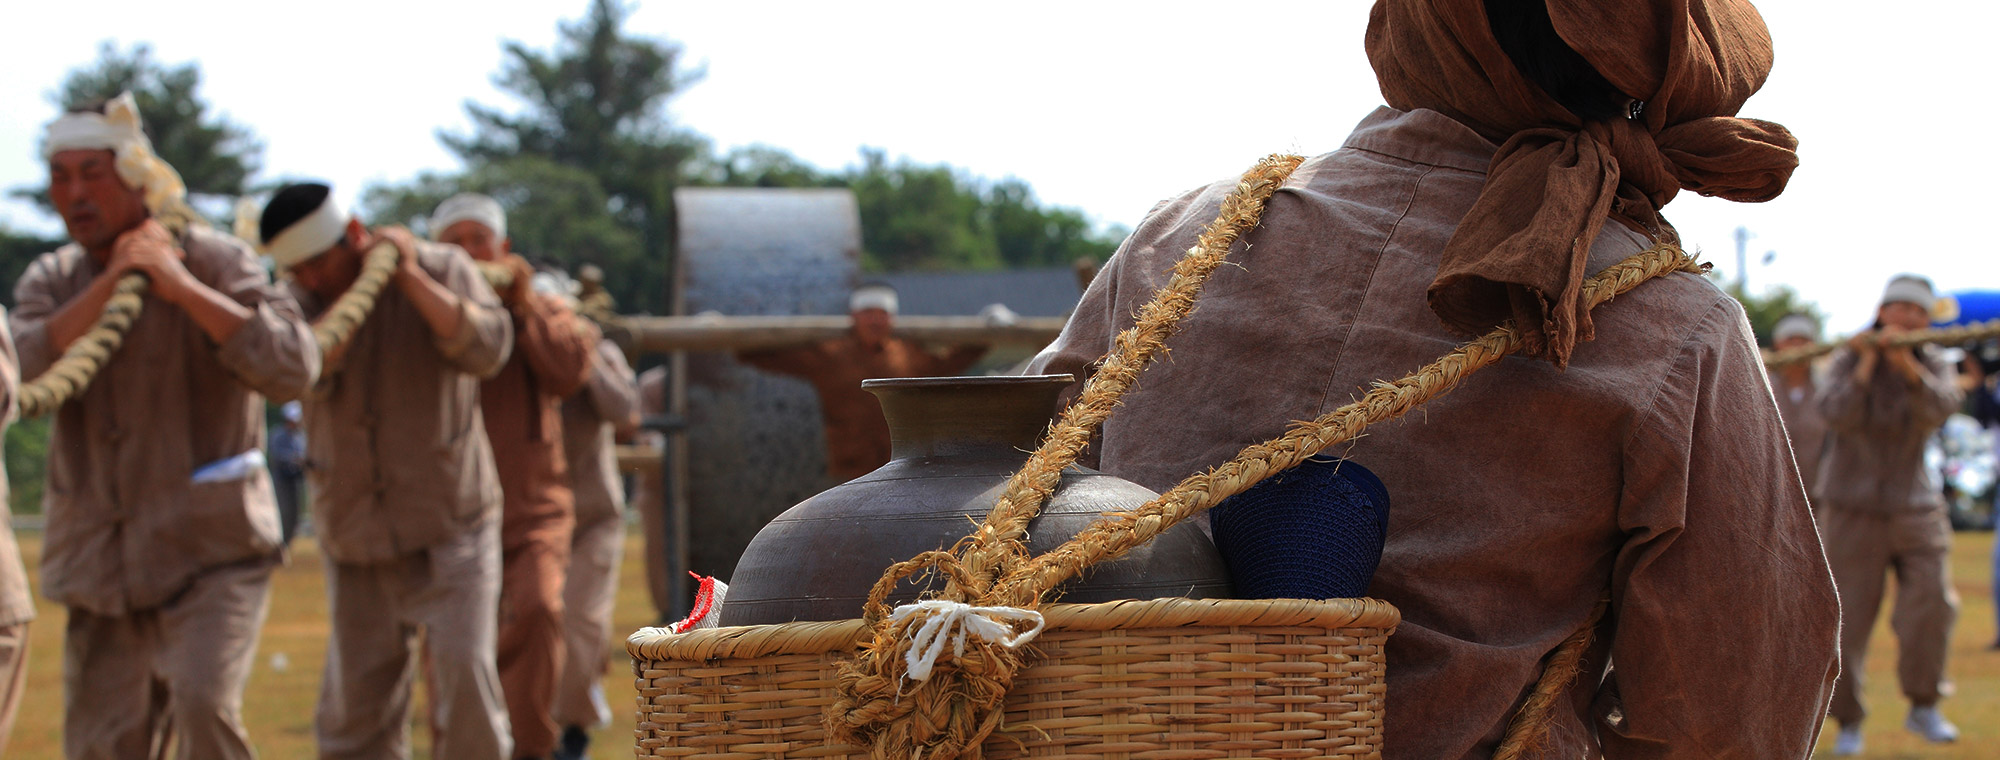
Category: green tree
[27,457]
[215,157]
[17,250]
[1764,310]
[597,102]
[555,213]
[919,217]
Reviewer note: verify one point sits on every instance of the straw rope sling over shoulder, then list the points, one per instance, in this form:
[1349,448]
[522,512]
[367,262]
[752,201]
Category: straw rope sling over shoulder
[983,670]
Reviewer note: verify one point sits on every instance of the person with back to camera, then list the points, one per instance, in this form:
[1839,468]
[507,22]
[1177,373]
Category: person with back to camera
[1632,454]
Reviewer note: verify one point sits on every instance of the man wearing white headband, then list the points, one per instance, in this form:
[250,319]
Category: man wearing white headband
[1881,509]
[405,493]
[1796,393]
[160,540]
[857,436]
[522,406]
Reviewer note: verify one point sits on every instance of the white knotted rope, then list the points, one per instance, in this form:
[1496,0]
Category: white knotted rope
[950,622]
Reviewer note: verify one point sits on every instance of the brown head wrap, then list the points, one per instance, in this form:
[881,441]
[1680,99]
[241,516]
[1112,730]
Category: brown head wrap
[1521,251]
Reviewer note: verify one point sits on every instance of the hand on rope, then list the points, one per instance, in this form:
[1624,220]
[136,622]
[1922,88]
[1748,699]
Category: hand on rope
[70,375]
[1940,335]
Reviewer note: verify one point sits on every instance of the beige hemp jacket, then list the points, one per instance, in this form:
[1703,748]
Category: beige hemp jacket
[127,526]
[396,449]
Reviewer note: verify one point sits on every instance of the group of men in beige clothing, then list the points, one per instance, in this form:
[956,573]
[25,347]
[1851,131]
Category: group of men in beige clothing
[162,532]
[1858,428]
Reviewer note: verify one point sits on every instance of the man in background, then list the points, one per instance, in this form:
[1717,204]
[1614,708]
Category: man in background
[605,410]
[288,466]
[405,495]
[857,437]
[1794,389]
[1883,511]
[522,406]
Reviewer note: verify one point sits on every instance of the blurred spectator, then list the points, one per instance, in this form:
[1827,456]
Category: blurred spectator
[288,467]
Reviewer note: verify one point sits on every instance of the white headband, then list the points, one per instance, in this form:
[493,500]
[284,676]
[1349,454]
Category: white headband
[872,298]
[118,130]
[1910,290]
[470,206]
[309,236]
[1795,326]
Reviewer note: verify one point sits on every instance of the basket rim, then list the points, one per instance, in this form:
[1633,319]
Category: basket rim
[819,637]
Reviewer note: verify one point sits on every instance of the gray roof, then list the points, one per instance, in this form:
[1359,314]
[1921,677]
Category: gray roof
[1044,292]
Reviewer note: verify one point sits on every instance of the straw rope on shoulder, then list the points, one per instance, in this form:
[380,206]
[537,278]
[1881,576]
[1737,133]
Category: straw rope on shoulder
[337,325]
[995,546]
[948,714]
[70,375]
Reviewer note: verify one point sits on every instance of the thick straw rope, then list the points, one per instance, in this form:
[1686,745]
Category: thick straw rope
[70,375]
[337,325]
[948,716]
[1119,533]
[1942,335]
[995,546]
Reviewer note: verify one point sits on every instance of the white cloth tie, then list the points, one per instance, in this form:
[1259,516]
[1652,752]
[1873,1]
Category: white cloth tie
[950,622]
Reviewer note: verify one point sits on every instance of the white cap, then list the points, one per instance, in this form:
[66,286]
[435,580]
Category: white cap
[1909,288]
[470,206]
[1795,326]
[118,130]
[872,297]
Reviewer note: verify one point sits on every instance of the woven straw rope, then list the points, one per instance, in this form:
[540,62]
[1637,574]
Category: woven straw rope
[871,712]
[69,376]
[1942,335]
[1185,679]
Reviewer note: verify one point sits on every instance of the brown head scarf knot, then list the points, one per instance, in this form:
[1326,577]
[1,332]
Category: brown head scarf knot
[1521,251]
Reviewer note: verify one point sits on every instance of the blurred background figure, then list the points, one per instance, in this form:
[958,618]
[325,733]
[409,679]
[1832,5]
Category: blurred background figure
[1794,387]
[288,466]
[593,419]
[857,438]
[1884,509]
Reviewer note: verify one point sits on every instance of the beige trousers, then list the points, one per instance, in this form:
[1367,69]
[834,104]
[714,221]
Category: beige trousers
[589,595]
[168,679]
[448,593]
[13,677]
[1863,549]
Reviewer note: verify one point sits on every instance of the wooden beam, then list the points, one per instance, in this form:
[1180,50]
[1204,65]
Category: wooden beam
[639,459]
[719,333]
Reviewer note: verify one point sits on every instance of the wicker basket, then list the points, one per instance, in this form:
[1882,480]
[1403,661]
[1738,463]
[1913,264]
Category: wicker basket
[1165,679]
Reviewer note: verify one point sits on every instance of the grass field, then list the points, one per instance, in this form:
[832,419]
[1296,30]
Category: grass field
[279,704]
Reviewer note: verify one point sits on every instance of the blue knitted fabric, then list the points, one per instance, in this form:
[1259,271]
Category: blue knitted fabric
[1312,532]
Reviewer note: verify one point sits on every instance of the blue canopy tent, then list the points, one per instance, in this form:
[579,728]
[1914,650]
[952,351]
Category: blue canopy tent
[1974,306]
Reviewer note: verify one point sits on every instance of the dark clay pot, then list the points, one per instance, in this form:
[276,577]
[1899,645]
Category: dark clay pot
[956,441]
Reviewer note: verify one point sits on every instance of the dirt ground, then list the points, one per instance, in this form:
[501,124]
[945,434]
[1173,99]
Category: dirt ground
[278,706]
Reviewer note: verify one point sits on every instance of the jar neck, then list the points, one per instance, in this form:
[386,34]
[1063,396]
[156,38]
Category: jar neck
[967,416]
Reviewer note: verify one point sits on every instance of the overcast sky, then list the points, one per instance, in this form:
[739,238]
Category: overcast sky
[1099,105]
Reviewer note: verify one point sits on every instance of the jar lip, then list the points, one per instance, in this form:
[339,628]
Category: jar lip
[966,380]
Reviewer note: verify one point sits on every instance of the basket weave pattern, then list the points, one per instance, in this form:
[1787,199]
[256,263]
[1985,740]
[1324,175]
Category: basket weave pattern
[1165,679]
